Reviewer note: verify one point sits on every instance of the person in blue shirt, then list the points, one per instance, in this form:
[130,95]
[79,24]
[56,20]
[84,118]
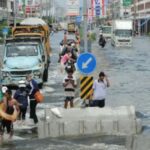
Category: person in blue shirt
[33,88]
[21,95]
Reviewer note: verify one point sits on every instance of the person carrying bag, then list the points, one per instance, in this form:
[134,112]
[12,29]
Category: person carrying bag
[34,99]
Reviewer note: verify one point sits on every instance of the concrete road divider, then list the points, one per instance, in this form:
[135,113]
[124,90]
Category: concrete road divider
[60,122]
[138,142]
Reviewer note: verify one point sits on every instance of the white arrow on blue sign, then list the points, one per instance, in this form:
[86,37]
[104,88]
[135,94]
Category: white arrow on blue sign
[86,63]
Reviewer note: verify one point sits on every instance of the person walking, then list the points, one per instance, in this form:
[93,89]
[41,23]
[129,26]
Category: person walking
[67,57]
[1,119]
[21,95]
[99,90]
[33,88]
[65,38]
[69,84]
[10,104]
[102,41]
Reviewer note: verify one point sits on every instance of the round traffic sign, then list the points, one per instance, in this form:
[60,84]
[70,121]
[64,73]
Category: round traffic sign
[86,63]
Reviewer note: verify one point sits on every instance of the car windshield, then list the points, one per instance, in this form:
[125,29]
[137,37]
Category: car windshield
[21,50]
[106,29]
[123,33]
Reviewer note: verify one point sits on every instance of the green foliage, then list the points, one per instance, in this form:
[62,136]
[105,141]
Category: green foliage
[92,36]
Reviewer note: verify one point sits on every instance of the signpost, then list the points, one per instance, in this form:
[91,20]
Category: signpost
[86,63]
[78,19]
[5,32]
[127,3]
[72,7]
[85,24]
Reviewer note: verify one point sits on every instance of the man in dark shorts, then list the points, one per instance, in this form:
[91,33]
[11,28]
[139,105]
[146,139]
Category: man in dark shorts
[99,90]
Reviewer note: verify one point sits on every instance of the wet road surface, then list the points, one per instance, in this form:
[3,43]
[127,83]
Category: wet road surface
[129,73]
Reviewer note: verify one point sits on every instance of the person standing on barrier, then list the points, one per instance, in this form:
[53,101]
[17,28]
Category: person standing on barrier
[99,90]
[69,84]
[33,88]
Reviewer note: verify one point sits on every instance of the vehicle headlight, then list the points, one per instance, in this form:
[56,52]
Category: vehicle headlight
[5,74]
[37,73]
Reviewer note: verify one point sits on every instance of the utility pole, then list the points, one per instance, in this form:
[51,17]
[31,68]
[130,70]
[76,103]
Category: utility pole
[7,13]
[49,9]
[14,13]
[135,22]
[85,24]
[41,8]
[135,1]
[46,9]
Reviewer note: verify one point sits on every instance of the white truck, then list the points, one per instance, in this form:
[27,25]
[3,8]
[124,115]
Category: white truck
[106,31]
[122,33]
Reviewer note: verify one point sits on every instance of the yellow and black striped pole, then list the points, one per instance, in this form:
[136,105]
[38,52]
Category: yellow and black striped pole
[86,83]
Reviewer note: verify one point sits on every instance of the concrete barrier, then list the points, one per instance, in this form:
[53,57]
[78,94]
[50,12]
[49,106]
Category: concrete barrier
[138,142]
[60,122]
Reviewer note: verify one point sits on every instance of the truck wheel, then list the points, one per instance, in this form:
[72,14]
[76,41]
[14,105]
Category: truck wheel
[45,75]
[112,43]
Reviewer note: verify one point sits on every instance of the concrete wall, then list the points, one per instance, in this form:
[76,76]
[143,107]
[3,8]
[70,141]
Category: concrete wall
[60,122]
[138,142]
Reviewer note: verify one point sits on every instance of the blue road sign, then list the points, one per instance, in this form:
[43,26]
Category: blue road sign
[5,31]
[86,63]
[78,19]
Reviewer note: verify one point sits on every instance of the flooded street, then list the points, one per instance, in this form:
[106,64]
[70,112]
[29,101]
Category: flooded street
[129,73]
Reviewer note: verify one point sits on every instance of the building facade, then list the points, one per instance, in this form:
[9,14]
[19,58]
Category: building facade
[140,11]
[3,9]
[116,10]
[6,9]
